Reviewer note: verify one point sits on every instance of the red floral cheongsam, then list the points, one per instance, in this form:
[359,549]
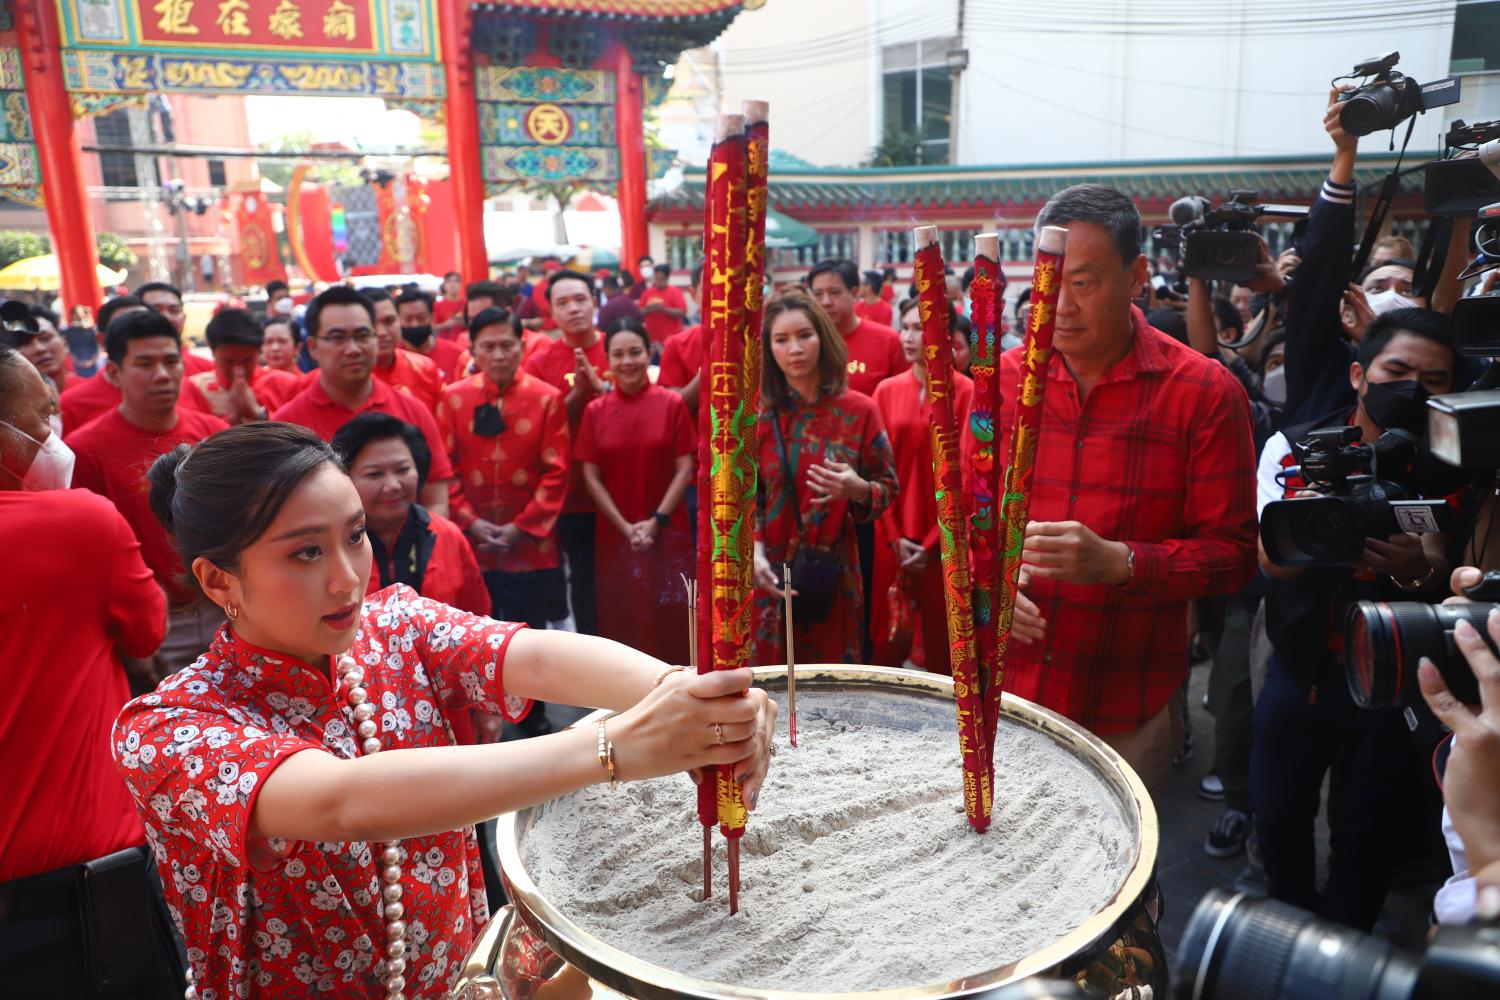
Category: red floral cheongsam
[272,918]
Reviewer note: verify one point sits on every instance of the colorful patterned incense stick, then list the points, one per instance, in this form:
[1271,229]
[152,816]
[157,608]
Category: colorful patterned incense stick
[984,472]
[734,241]
[1046,281]
[937,350]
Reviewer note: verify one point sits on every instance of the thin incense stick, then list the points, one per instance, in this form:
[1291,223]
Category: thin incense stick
[791,656]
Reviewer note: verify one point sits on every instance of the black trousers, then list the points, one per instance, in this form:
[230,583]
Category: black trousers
[575,532]
[43,952]
[1375,784]
[1229,700]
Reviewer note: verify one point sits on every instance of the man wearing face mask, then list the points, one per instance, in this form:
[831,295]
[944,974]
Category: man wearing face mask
[414,306]
[71,614]
[405,371]
[1305,723]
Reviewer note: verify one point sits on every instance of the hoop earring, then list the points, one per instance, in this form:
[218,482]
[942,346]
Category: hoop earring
[231,612]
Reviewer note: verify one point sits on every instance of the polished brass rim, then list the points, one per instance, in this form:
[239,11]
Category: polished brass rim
[622,971]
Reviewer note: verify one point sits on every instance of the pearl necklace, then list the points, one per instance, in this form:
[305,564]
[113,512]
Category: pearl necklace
[391,855]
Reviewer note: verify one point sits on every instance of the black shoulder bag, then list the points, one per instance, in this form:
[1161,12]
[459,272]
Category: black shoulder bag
[815,570]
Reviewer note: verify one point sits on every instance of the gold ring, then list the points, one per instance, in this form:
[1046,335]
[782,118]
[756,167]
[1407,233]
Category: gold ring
[719,733]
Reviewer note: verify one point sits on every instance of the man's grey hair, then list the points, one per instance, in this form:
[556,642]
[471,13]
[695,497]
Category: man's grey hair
[1102,206]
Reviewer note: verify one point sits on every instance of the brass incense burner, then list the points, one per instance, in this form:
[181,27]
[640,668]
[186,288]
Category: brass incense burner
[533,949]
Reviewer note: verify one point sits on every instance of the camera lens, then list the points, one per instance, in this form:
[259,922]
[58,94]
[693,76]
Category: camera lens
[1326,529]
[1383,644]
[1369,109]
[1236,948]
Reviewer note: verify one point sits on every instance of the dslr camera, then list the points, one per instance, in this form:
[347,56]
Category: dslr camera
[1383,642]
[1366,496]
[1219,243]
[1237,948]
[1386,97]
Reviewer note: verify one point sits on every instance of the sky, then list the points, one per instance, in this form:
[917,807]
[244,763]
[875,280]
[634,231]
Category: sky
[359,122]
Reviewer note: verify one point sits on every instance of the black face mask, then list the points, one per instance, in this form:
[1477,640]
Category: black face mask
[1398,405]
[416,335]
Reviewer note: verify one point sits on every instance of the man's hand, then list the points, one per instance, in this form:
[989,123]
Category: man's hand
[913,556]
[1068,550]
[1357,314]
[1400,557]
[243,406]
[1268,278]
[1026,622]
[765,576]
[1287,262]
[1343,142]
[1471,784]
[584,373]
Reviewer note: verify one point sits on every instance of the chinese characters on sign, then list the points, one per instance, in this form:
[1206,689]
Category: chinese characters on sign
[304,24]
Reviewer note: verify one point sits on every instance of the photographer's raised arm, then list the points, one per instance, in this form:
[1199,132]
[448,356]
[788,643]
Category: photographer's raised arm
[1317,356]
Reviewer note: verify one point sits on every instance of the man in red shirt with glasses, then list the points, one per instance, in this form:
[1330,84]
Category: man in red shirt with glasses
[1144,496]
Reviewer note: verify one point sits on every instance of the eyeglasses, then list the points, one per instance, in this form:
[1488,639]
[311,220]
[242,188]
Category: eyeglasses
[362,337]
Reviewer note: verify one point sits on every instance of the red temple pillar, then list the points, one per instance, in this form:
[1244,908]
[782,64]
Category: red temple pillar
[630,134]
[60,158]
[456,20]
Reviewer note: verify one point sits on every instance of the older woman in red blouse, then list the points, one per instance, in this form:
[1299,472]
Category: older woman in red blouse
[908,573]
[637,445]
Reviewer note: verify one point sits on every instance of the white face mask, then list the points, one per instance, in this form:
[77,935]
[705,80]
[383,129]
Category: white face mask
[55,422]
[1384,302]
[1273,387]
[52,465]
[283,307]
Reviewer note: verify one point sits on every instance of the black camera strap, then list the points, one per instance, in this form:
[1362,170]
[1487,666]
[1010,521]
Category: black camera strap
[1389,188]
[1432,257]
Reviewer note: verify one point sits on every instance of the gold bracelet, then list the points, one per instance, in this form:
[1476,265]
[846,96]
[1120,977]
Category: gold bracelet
[665,674]
[606,753]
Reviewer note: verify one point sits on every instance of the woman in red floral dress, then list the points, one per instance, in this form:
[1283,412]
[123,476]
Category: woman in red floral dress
[310,815]
[841,468]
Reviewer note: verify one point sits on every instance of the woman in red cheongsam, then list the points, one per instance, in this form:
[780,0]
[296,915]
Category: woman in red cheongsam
[637,445]
[908,584]
[833,444]
[312,820]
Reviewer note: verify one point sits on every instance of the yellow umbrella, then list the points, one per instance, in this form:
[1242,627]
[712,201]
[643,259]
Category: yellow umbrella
[39,274]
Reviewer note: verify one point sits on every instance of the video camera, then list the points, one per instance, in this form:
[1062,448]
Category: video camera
[1218,243]
[1386,98]
[1459,183]
[1237,948]
[1366,489]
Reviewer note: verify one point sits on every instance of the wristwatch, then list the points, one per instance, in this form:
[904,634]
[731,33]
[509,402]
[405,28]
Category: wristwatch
[662,520]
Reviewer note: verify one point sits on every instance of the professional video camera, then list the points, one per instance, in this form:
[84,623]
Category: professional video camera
[1384,642]
[1218,243]
[1460,184]
[1386,98]
[1237,948]
[1476,318]
[1367,489]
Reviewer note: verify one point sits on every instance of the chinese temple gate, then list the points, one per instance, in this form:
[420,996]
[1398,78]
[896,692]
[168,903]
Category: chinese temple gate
[547,94]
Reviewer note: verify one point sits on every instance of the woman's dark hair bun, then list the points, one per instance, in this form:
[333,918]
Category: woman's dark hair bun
[217,497]
[162,477]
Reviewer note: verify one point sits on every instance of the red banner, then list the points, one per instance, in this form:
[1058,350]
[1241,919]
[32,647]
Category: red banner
[438,247]
[315,229]
[259,256]
[300,25]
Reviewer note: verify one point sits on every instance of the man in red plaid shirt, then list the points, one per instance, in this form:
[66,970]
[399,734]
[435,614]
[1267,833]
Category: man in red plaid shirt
[1144,497]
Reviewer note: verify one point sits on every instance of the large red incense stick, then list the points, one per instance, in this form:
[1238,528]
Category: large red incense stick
[984,471]
[730,493]
[1046,281]
[937,351]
